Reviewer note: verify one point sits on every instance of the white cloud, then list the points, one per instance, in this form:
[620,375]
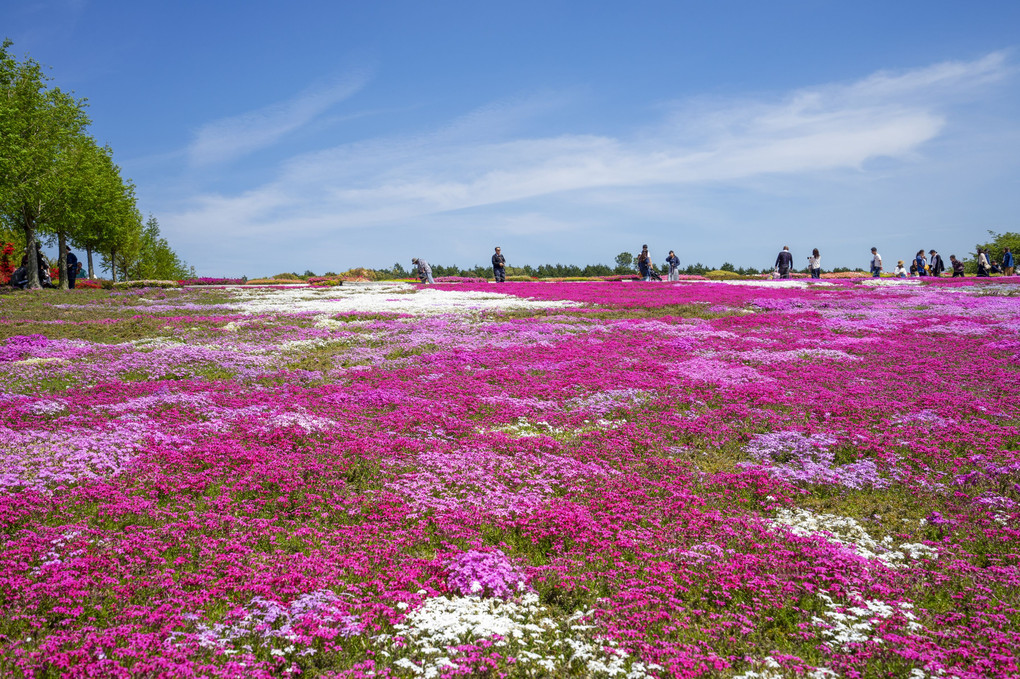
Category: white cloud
[230,138]
[400,180]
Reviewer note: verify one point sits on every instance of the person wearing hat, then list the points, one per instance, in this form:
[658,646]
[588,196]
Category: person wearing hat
[935,263]
[424,270]
[899,271]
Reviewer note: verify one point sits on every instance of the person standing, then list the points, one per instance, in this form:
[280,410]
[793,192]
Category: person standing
[935,263]
[644,263]
[499,266]
[814,263]
[674,266]
[876,263]
[957,266]
[1007,262]
[921,263]
[424,270]
[984,268]
[73,267]
[784,262]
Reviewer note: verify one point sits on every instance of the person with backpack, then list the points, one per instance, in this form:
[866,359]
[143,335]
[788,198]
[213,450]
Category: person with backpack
[935,265]
[784,262]
[499,266]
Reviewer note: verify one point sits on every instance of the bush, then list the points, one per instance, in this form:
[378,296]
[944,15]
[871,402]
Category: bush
[720,275]
[212,281]
[325,282]
[125,285]
[274,281]
[293,277]
[460,279]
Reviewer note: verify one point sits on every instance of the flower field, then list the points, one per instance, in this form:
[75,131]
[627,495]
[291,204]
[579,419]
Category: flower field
[749,479]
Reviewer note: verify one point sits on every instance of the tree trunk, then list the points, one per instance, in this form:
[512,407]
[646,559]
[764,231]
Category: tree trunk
[62,258]
[31,245]
[113,265]
[88,252]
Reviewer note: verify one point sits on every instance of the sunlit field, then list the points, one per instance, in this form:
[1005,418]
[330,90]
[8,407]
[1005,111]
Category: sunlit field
[773,479]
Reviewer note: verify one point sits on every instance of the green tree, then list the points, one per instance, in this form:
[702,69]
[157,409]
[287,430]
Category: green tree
[995,247]
[40,129]
[624,263]
[106,216]
[156,260]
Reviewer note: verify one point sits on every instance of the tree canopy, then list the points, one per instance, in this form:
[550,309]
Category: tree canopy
[57,183]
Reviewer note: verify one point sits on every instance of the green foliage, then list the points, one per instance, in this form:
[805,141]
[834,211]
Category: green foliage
[721,275]
[40,130]
[152,258]
[624,263]
[995,247]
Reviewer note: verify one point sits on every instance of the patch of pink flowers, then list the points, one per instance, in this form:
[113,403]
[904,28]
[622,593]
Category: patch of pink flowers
[694,480]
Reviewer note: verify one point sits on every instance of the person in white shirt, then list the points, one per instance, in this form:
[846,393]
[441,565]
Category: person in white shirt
[984,270]
[814,262]
[900,272]
[876,263]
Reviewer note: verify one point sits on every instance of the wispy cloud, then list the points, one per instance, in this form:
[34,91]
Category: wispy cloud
[834,127]
[231,138]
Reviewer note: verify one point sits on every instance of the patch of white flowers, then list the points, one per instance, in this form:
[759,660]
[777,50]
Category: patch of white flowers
[392,297]
[844,626]
[769,668]
[846,532]
[524,630]
[524,428]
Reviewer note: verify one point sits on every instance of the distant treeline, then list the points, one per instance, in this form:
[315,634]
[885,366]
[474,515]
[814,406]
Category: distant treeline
[623,267]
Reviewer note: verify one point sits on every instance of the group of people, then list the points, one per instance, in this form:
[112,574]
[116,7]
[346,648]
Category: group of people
[19,277]
[498,268]
[930,265]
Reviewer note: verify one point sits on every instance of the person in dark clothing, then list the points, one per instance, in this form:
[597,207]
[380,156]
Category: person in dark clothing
[44,267]
[1007,262]
[19,278]
[935,264]
[957,266]
[499,266]
[784,262]
[73,267]
[644,263]
[674,266]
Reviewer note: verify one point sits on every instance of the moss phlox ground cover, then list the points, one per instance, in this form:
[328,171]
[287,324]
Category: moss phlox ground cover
[703,479]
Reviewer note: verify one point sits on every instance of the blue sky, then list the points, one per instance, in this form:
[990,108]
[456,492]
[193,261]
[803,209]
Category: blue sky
[271,136]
